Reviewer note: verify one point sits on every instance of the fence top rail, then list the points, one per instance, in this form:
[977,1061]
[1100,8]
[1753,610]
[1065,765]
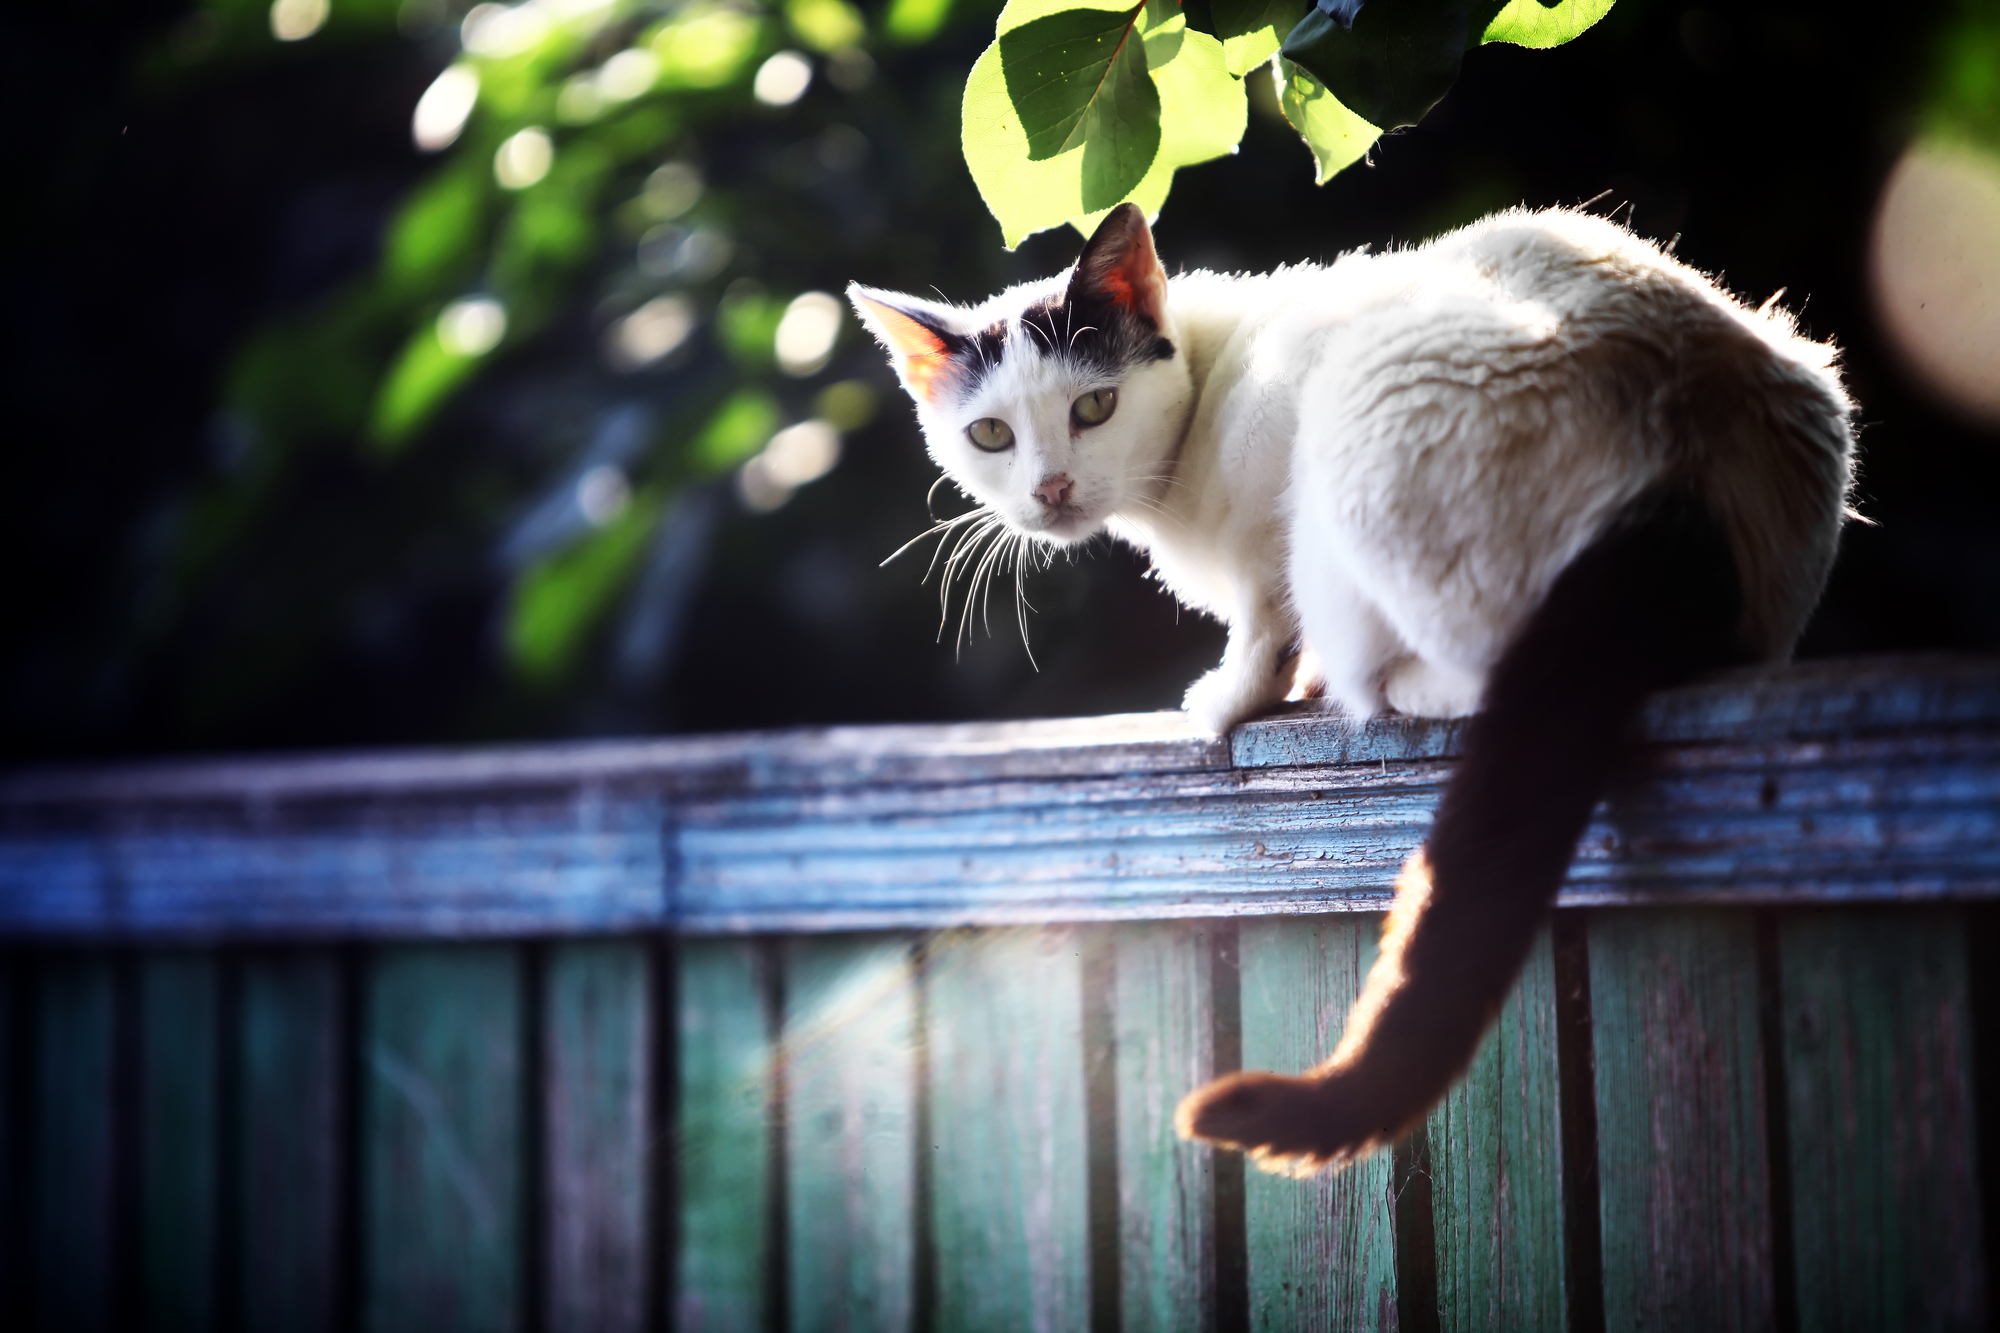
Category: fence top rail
[1800,701]
[1836,780]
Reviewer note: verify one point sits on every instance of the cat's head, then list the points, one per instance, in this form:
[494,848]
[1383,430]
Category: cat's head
[1056,404]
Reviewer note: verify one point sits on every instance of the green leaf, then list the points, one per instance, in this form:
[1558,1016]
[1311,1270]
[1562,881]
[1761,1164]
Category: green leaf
[1079,79]
[1336,135]
[558,599]
[1534,23]
[1203,113]
[1396,62]
[1252,30]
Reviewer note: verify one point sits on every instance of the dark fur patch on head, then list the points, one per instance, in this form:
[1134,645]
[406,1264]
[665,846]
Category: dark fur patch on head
[1101,335]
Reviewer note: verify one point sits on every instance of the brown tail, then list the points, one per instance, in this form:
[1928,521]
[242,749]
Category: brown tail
[1654,601]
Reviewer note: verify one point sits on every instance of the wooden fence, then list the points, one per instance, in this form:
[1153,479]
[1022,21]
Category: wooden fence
[883,1028]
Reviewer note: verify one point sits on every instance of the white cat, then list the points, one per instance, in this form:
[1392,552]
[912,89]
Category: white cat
[1533,468]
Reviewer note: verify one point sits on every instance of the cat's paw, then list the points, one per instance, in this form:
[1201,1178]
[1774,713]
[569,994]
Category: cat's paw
[1416,688]
[1227,696]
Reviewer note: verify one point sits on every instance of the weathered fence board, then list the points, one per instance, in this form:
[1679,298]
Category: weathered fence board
[850,1079]
[597,1099]
[1842,780]
[442,1139]
[1682,1162]
[294,1152]
[179,1141]
[72,1230]
[1878,1068]
[1496,1162]
[1165,1023]
[1004,1015]
[1322,1251]
[722,1269]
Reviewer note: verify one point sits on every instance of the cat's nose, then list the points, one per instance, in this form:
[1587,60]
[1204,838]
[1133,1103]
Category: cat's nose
[1054,491]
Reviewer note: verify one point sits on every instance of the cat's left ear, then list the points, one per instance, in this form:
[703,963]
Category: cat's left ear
[919,341]
[1119,266]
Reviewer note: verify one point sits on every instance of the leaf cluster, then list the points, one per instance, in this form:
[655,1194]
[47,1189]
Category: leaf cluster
[1079,107]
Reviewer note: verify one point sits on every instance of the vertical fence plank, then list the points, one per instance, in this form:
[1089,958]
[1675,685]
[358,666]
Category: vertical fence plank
[1684,1184]
[850,1120]
[73,1142]
[1496,1163]
[291,1161]
[177,1008]
[441,1139]
[1010,1176]
[721,1281]
[1878,1072]
[598,1030]
[1165,1049]
[1322,1251]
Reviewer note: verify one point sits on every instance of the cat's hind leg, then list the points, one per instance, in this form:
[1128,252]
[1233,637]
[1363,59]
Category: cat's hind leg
[1419,688]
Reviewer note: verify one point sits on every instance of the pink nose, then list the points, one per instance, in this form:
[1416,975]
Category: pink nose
[1054,491]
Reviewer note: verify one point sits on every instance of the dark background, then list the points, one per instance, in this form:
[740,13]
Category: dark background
[164,205]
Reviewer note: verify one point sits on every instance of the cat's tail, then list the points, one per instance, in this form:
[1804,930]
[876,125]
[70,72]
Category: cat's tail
[1652,602]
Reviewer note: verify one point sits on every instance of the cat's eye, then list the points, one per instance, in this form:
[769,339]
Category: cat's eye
[991,434]
[1095,408]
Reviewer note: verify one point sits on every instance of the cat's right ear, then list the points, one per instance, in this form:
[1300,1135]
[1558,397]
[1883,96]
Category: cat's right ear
[920,346]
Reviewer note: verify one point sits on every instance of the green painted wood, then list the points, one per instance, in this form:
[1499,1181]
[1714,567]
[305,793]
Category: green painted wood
[1322,1251]
[597,1095]
[442,1144]
[1496,1168]
[1879,1111]
[177,1201]
[72,1164]
[1165,1025]
[721,1278]
[1682,1166]
[1010,1205]
[850,1122]
[292,1158]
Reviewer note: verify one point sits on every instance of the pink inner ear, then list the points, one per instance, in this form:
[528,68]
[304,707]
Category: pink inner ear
[922,353]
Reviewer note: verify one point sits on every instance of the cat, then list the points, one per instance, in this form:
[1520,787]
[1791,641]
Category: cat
[1528,471]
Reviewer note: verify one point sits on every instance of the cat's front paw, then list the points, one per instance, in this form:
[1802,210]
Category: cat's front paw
[1227,696]
[1416,688]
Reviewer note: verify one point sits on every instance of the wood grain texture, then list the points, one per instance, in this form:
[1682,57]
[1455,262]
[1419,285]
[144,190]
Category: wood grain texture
[1878,1071]
[178,1141]
[292,1158]
[1845,780]
[1322,1250]
[1004,1012]
[597,1097]
[850,1122]
[1165,1024]
[1682,1160]
[442,1146]
[721,1279]
[1495,1147]
[71,1230]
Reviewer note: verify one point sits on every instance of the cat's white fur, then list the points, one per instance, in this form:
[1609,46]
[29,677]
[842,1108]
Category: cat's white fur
[1390,458]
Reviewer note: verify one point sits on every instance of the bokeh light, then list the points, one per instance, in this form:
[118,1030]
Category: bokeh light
[1935,270]
[444,108]
[806,334]
[783,79]
[472,327]
[524,158]
[296,20]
